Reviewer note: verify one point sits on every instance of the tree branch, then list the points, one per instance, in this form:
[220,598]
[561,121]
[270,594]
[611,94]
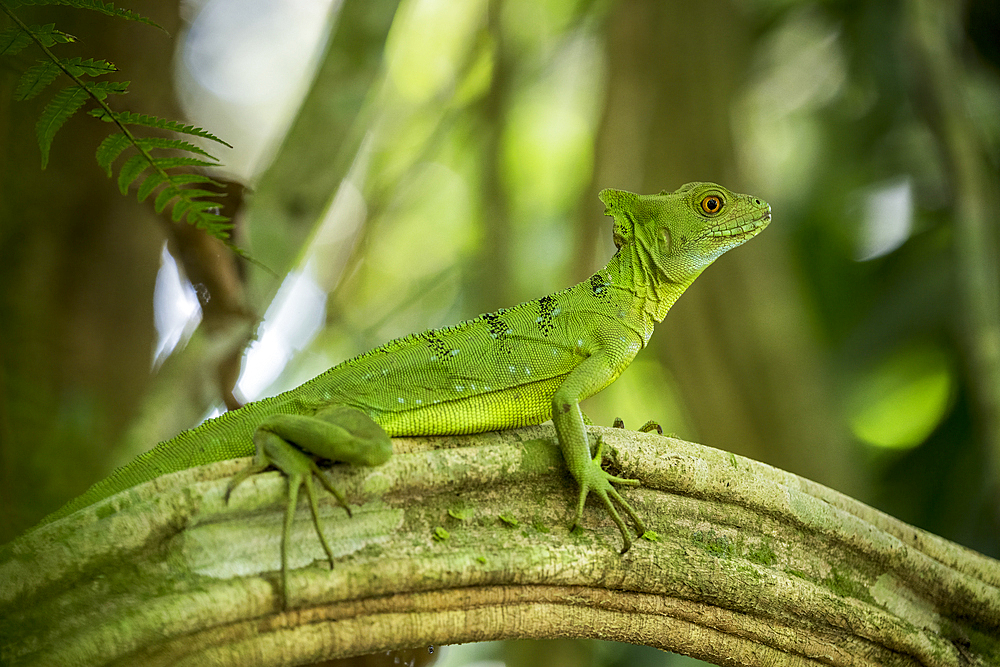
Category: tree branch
[754,566]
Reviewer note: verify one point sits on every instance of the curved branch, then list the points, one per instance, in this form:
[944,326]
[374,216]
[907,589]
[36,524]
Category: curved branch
[754,566]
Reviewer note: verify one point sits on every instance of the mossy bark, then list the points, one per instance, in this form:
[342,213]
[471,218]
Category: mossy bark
[753,566]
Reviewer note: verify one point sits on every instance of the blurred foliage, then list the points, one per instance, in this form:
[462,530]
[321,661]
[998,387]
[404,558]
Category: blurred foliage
[445,162]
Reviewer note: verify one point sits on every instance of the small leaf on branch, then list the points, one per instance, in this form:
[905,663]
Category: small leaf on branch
[149,143]
[129,118]
[13,39]
[130,171]
[107,8]
[35,79]
[101,89]
[110,149]
[152,182]
[59,109]
[88,67]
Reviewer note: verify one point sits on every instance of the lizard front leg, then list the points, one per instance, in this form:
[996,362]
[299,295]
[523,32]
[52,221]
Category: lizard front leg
[585,380]
[338,433]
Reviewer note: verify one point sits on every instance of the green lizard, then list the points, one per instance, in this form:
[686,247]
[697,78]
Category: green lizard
[515,367]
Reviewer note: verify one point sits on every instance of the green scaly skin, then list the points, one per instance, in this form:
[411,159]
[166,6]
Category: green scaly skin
[515,367]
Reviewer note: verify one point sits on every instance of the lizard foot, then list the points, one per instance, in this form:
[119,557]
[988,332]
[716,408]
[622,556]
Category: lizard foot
[595,479]
[648,427]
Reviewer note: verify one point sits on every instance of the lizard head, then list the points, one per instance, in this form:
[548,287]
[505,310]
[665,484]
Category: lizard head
[683,232]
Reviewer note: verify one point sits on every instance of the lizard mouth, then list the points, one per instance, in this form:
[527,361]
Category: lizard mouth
[744,229]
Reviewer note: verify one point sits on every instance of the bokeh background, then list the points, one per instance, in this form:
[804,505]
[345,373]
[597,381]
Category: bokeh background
[405,165]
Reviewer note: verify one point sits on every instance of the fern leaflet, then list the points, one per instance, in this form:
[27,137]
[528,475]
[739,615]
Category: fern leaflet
[88,67]
[110,149]
[107,8]
[175,144]
[137,164]
[35,79]
[101,89]
[14,39]
[129,118]
[114,144]
[66,103]
[40,75]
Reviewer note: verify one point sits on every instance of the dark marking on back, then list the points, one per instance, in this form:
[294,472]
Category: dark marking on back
[546,308]
[437,346]
[599,285]
[498,329]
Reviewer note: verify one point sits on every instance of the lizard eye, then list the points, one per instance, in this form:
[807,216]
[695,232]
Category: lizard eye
[711,204]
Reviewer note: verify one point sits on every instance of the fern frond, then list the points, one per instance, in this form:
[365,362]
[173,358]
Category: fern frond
[59,109]
[14,39]
[129,118]
[35,79]
[101,89]
[38,76]
[166,194]
[110,149]
[167,143]
[188,178]
[165,163]
[115,143]
[153,181]
[137,164]
[195,204]
[88,67]
[199,213]
[107,8]
[66,103]
[130,171]
[184,179]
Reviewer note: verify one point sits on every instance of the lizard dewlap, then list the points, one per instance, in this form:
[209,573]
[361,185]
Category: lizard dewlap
[515,367]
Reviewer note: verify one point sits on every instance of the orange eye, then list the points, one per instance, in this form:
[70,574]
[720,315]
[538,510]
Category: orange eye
[711,204]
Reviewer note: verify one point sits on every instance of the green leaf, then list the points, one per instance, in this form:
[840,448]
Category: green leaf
[88,67]
[128,118]
[152,182]
[166,194]
[130,171]
[49,36]
[35,79]
[40,75]
[215,224]
[101,89]
[110,149]
[184,179]
[65,103]
[180,208]
[193,193]
[107,8]
[13,39]
[166,163]
[149,143]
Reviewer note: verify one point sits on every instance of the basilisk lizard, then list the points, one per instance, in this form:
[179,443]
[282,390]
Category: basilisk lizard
[515,367]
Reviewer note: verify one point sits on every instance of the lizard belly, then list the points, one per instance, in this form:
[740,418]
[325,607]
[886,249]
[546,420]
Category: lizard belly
[510,407]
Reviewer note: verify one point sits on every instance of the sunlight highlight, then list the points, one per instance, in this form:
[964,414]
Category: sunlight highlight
[176,311]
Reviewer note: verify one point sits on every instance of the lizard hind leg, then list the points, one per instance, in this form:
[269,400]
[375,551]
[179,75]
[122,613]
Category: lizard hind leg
[288,443]
[299,467]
